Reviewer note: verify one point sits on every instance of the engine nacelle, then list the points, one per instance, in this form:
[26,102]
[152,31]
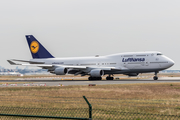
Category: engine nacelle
[60,71]
[96,73]
[132,74]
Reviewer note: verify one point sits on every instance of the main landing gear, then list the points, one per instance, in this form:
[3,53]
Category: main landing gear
[155,77]
[100,78]
[95,78]
[109,78]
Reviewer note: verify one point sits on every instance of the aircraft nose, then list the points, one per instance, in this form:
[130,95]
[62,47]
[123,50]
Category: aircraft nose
[171,62]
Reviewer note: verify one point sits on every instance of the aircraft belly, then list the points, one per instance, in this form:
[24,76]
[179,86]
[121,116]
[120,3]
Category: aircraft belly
[132,71]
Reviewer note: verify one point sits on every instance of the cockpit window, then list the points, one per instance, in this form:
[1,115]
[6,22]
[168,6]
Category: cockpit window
[159,54]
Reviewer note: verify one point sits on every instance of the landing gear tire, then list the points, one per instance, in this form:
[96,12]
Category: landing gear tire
[95,78]
[155,78]
[109,78]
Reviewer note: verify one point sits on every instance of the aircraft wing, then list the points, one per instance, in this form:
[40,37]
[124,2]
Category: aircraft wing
[47,66]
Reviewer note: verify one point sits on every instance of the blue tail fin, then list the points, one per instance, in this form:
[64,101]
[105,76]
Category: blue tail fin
[37,50]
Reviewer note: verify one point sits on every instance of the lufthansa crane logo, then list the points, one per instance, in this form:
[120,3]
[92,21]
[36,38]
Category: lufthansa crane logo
[34,47]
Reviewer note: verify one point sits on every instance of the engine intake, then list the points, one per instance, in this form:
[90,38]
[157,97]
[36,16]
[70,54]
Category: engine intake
[97,73]
[60,71]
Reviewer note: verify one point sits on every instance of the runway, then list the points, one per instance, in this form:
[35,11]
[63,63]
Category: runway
[41,82]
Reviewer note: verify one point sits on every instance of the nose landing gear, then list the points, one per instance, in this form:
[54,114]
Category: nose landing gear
[155,77]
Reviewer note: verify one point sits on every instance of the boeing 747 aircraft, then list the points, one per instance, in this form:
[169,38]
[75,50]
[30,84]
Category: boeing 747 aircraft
[131,63]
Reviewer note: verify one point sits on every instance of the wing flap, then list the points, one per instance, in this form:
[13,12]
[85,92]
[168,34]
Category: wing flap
[72,67]
[36,65]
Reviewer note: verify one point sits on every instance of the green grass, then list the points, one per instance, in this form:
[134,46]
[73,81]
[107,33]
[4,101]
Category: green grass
[137,101]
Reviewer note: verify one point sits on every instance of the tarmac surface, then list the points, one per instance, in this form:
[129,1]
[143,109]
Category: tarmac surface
[41,82]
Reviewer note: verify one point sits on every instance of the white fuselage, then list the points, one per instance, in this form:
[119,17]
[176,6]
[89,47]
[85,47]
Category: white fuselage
[130,64]
[135,62]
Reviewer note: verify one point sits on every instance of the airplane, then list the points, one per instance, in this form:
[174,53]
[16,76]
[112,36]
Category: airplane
[130,63]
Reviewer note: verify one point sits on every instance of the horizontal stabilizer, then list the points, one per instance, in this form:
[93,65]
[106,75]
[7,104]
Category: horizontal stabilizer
[12,63]
[31,62]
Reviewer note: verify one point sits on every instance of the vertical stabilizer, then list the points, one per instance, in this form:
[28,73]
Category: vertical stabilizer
[37,50]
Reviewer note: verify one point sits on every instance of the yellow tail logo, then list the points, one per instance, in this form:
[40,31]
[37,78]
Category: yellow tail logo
[34,47]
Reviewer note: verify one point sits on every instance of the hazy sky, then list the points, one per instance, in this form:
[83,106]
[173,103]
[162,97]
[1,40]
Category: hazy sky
[89,27]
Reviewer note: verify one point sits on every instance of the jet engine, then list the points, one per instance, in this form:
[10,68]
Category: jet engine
[60,71]
[96,73]
[132,74]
